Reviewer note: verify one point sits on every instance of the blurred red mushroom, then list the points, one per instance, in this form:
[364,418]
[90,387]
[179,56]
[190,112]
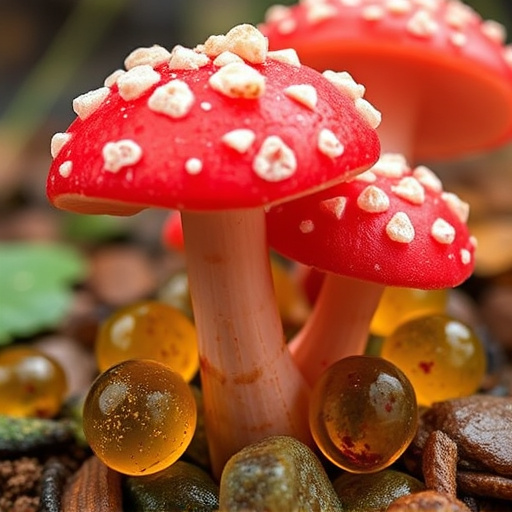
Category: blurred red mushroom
[219,132]
[440,75]
[390,226]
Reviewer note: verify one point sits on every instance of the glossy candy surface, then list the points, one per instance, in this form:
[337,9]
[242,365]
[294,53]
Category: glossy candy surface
[442,357]
[363,413]
[139,417]
[31,383]
[398,305]
[149,330]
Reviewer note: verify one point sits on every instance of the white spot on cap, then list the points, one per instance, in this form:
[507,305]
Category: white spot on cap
[329,144]
[443,231]
[287,26]
[373,13]
[307,226]
[458,15]
[137,81]
[410,189]
[288,56]
[400,228]
[366,177]
[237,80]
[303,93]
[240,140]
[85,104]
[318,11]
[275,160]
[373,200]
[368,111]
[334,206]
[193,166]
[456,205]
[65,168]
[174,99]
[398,6]
[59,140]
[473,241]
[185,58]
[112,79]
[206,106]
[276,13]
[122,153]
[344,82]
[391,165]
[244,40]
[226,58]
[422,24]
[465,256]
[428,178]
[152,56]
[458,39]
[495,31]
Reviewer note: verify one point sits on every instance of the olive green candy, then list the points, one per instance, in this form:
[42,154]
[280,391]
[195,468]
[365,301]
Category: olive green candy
[20,436]
[373,492]
[277,474]
[182,487]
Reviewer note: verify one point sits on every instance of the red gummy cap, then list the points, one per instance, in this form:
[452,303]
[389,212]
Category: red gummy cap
[227,125]
[391,225]
[454,64]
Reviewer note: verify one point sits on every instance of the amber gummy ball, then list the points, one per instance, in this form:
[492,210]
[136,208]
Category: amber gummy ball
[363,413]
[139,417]
[149,330]
[442,357]
[32,384]
[398,305]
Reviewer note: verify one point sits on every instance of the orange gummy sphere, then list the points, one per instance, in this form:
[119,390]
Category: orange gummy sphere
[442,357]
[363,413]
[398,305]
[149,330]
[32,384]
[139,417]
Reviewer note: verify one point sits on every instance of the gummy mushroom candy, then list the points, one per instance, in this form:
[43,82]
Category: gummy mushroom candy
[440,75]
[219,132]
[392,225]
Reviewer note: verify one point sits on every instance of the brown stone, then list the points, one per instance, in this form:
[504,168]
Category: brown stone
[122,275]
[427,501]
[484,484]
[440,463]
[480,425]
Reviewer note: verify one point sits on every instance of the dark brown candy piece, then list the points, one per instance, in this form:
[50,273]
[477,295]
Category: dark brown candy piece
[480,425]
[484,484]
[427,501]
[93,487]
[439,463]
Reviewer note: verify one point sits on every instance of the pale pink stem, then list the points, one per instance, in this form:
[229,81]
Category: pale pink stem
[338,325]
[251,386]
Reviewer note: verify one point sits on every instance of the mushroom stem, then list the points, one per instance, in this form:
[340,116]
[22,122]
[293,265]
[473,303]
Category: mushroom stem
[251,386]
[338,325]
[398,102]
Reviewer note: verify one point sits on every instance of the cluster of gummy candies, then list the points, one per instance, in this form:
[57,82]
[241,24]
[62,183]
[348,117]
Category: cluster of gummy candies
[140,413]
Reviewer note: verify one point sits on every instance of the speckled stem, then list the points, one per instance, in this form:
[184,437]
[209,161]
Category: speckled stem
[338,326]
[251,386]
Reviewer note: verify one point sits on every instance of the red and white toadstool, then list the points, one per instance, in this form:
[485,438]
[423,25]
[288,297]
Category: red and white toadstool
[219,132]
[440,75]
[390,226]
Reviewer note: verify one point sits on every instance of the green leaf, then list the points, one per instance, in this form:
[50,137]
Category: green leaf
[35,286]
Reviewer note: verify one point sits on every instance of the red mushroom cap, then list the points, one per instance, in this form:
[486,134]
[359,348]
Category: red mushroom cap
[391,225]
[439,51]
[227,125]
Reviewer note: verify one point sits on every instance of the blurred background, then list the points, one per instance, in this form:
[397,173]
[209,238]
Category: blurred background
[53,50]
